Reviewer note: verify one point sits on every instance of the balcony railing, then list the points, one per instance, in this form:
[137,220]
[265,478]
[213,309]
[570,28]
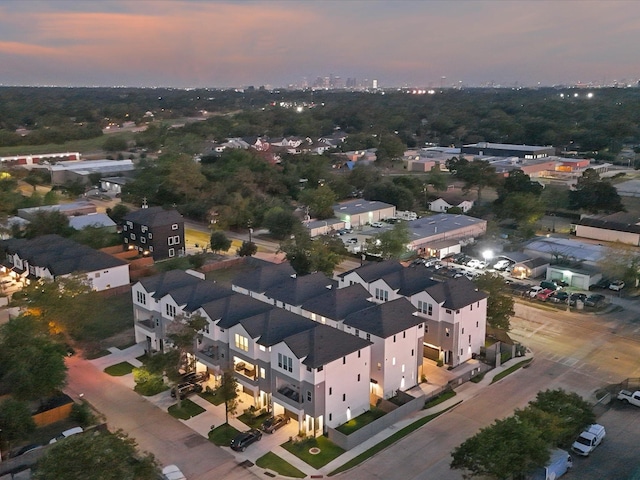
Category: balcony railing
[290,393]
[245,370]
[148,324]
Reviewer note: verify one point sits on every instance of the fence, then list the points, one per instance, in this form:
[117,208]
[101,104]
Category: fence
[356,438]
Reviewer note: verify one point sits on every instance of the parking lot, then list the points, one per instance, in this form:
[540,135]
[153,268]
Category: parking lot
[617,455]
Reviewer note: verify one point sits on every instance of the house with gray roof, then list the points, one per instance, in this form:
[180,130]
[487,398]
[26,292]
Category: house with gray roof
[292,292]
[396,333]
[333,306]
[262,276]
[52,256]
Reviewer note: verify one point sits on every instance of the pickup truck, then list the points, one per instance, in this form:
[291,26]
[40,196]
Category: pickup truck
[630,397]
[588,440]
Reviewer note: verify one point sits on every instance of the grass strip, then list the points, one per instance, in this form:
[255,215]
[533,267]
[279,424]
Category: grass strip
[212,397]
[388,441]
[328,451]
[360,421]
[443,397]
[510,370]
[222,435]
[186,411]
[119,369]
[281,467]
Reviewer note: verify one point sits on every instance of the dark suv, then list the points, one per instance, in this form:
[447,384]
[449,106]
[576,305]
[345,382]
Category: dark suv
[272,424]
[183,390]
[244,439]
[195,377]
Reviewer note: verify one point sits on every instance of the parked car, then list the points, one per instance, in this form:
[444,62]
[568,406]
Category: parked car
[25,449]
[559,463]
[172,472]
[535,290]
[66,434]
[577,297]
[352,241]
[274,423]
[549,284]
[244,439]
[559,297]
[616,285]
[588,440]
[628,397]
[544,295]
[603,283]
[377,224]
[595,300]
[195,377]
[183,390]
[502,264]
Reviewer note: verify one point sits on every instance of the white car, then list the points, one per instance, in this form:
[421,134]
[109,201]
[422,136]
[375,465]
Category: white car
[588,440]
[172,472]
[535,291]
[377,224]
[616,286]
[66,433]
[501,264]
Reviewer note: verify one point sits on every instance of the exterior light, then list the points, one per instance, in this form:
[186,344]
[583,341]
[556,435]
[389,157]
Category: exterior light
[487,254]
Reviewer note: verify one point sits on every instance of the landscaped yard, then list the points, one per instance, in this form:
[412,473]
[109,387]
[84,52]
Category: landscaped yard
[223,435]
[360,421]
[278,465]
[328,450]
[212,397]
[188,409]
[119,369]
[253,421]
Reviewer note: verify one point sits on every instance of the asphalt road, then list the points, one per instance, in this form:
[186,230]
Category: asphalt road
[157,432]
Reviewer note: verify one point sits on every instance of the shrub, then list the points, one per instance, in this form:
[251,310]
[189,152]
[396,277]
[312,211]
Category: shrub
[81,413]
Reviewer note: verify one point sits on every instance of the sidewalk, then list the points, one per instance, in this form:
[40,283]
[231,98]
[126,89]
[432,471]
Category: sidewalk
[215,416]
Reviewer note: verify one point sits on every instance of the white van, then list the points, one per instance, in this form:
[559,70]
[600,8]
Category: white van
[66,433]
[588,440]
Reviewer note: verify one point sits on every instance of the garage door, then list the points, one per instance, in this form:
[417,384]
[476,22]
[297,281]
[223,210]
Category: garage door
[580,281]
[431,353]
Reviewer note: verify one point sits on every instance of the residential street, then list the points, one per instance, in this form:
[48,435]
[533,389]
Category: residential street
[155,431]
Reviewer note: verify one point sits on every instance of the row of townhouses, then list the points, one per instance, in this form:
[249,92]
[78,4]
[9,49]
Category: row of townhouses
[320,350]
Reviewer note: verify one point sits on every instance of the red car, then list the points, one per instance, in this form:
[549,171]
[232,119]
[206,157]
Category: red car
[544,295]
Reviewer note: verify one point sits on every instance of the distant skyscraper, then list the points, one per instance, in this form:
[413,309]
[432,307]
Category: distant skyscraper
[374,84]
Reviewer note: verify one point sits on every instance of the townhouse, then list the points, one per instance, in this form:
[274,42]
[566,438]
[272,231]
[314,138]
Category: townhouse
[52,256]
[293,291]
[154,231]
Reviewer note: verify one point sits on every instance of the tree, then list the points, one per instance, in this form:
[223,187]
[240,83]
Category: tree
[247,249]
[114,143]
[96,456]
[594,195]
[524,208]
[219,241]
[621,263]
[507,449]
[48,222]
[499,304]
[16,422]
[390,243]
[229,392]
[306,255]
[31,363]
[320,201]
[478,174]
[118,212]
[280,222]
[518,182]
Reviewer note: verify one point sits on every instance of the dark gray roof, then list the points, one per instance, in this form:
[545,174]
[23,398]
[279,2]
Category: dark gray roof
[295,291]
[275,325]
[154,217]
[233,308]
[336,304]
[194,296]
[59,255]
[456,293]
[410,280]
[610,225]
[385,319]
[323,344]
[374,270]
[360,206]
[264,275]
[165,282]
[536,262]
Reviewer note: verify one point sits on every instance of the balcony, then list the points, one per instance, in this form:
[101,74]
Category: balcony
[290,393]
[148,325]
[245,370]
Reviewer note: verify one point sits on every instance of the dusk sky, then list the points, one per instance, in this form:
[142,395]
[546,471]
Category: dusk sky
[193,43]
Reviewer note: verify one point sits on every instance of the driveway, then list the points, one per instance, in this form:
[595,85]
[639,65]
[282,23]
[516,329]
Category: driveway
[155,431]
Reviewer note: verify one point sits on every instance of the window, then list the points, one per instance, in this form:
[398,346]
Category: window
[379,366]
[469,339]
[382,295]
[126,240]
[171,310]
[446,332]
[457,312]
[144,228]
[133,236]
[461,351]
[150,235]
[330,390]
[176,241]
[368,337]
[31,269]
[462,332]
[143,240]
[344,360]
[151,249]
[285,362]
[174,226]
[172,252]
[448,311]
[404,334]
[477,323]
[157,322]
[357,334]
[262,348]
[330,415]
[412,352]
[320,368]
[141,298]
[426,328]
[263,373]
[308,369]
[242,343]
[206,328]
[471,307]
[358,377]
[358,353]
[308,396]
[393,361]
[394,339]
[344,397]
[130,224]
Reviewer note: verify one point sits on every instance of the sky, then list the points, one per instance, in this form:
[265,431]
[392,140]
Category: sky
[227,43]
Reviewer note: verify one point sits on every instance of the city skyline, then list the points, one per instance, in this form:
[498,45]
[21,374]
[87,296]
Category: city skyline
[220,44]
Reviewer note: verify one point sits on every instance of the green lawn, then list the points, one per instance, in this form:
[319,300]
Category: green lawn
[360,421]
[278,465]
[443,397]
[253,421]
[328,451]
[119,369]
[510,370]
[223,435]
[212,397]
[84,145]
[114,315]
[189,409]
[388,441]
